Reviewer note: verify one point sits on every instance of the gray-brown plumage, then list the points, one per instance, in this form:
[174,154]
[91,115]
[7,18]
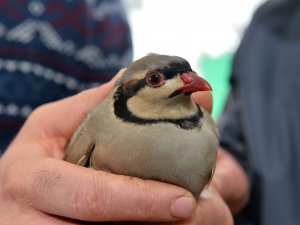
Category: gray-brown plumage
[148,127]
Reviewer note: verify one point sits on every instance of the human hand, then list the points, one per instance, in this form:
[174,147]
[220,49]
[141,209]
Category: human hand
[210,210]
[38,187]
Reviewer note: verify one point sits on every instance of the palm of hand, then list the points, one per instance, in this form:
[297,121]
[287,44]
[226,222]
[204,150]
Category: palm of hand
[38,187]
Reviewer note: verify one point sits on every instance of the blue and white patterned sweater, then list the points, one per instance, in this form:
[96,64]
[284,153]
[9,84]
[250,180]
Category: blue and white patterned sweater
[51,49]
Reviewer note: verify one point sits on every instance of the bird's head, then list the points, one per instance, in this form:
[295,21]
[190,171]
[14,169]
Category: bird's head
[160,86]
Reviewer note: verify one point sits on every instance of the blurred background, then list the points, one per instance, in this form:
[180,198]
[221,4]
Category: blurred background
[205,32]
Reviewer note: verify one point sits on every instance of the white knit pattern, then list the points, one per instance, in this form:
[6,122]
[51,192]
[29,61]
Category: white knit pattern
[104,9]
[91,55]
[26,68]
[14,110]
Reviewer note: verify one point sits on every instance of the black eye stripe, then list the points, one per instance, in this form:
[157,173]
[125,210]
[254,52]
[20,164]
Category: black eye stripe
[169,71]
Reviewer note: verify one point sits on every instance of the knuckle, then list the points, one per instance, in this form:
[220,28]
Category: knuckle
[44,181]
[96,198]
[144,199]
[93,198]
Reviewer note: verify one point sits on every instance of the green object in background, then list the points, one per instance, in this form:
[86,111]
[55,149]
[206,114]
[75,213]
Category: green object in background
[217,72]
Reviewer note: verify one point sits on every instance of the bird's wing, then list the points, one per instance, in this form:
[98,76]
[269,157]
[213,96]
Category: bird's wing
[80,147]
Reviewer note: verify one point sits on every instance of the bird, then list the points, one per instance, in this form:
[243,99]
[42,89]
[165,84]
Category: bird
[149,127]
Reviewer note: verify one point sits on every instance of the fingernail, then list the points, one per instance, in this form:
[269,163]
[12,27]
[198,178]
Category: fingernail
[183,207]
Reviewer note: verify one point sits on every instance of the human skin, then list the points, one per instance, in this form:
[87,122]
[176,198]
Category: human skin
[38,187]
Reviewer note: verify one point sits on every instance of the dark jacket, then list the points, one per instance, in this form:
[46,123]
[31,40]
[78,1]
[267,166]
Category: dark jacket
[261,122]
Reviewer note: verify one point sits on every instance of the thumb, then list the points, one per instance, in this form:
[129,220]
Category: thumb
[85,194]
[204,99]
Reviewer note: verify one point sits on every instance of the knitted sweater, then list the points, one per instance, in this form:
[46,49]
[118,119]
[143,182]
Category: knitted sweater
[51,49]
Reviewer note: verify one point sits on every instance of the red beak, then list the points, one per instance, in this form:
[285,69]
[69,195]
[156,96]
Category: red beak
[193,83]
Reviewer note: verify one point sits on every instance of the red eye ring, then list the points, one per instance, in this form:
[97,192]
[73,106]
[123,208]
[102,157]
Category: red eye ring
[155,78]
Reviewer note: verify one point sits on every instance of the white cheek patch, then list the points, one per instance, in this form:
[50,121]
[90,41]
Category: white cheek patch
[154,103]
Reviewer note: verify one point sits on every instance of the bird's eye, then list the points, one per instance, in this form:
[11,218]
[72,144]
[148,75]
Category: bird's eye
[155,79]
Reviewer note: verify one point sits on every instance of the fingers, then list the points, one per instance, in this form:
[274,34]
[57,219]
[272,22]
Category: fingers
[227,177]
[210,210]
[204,99]
[64,189]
